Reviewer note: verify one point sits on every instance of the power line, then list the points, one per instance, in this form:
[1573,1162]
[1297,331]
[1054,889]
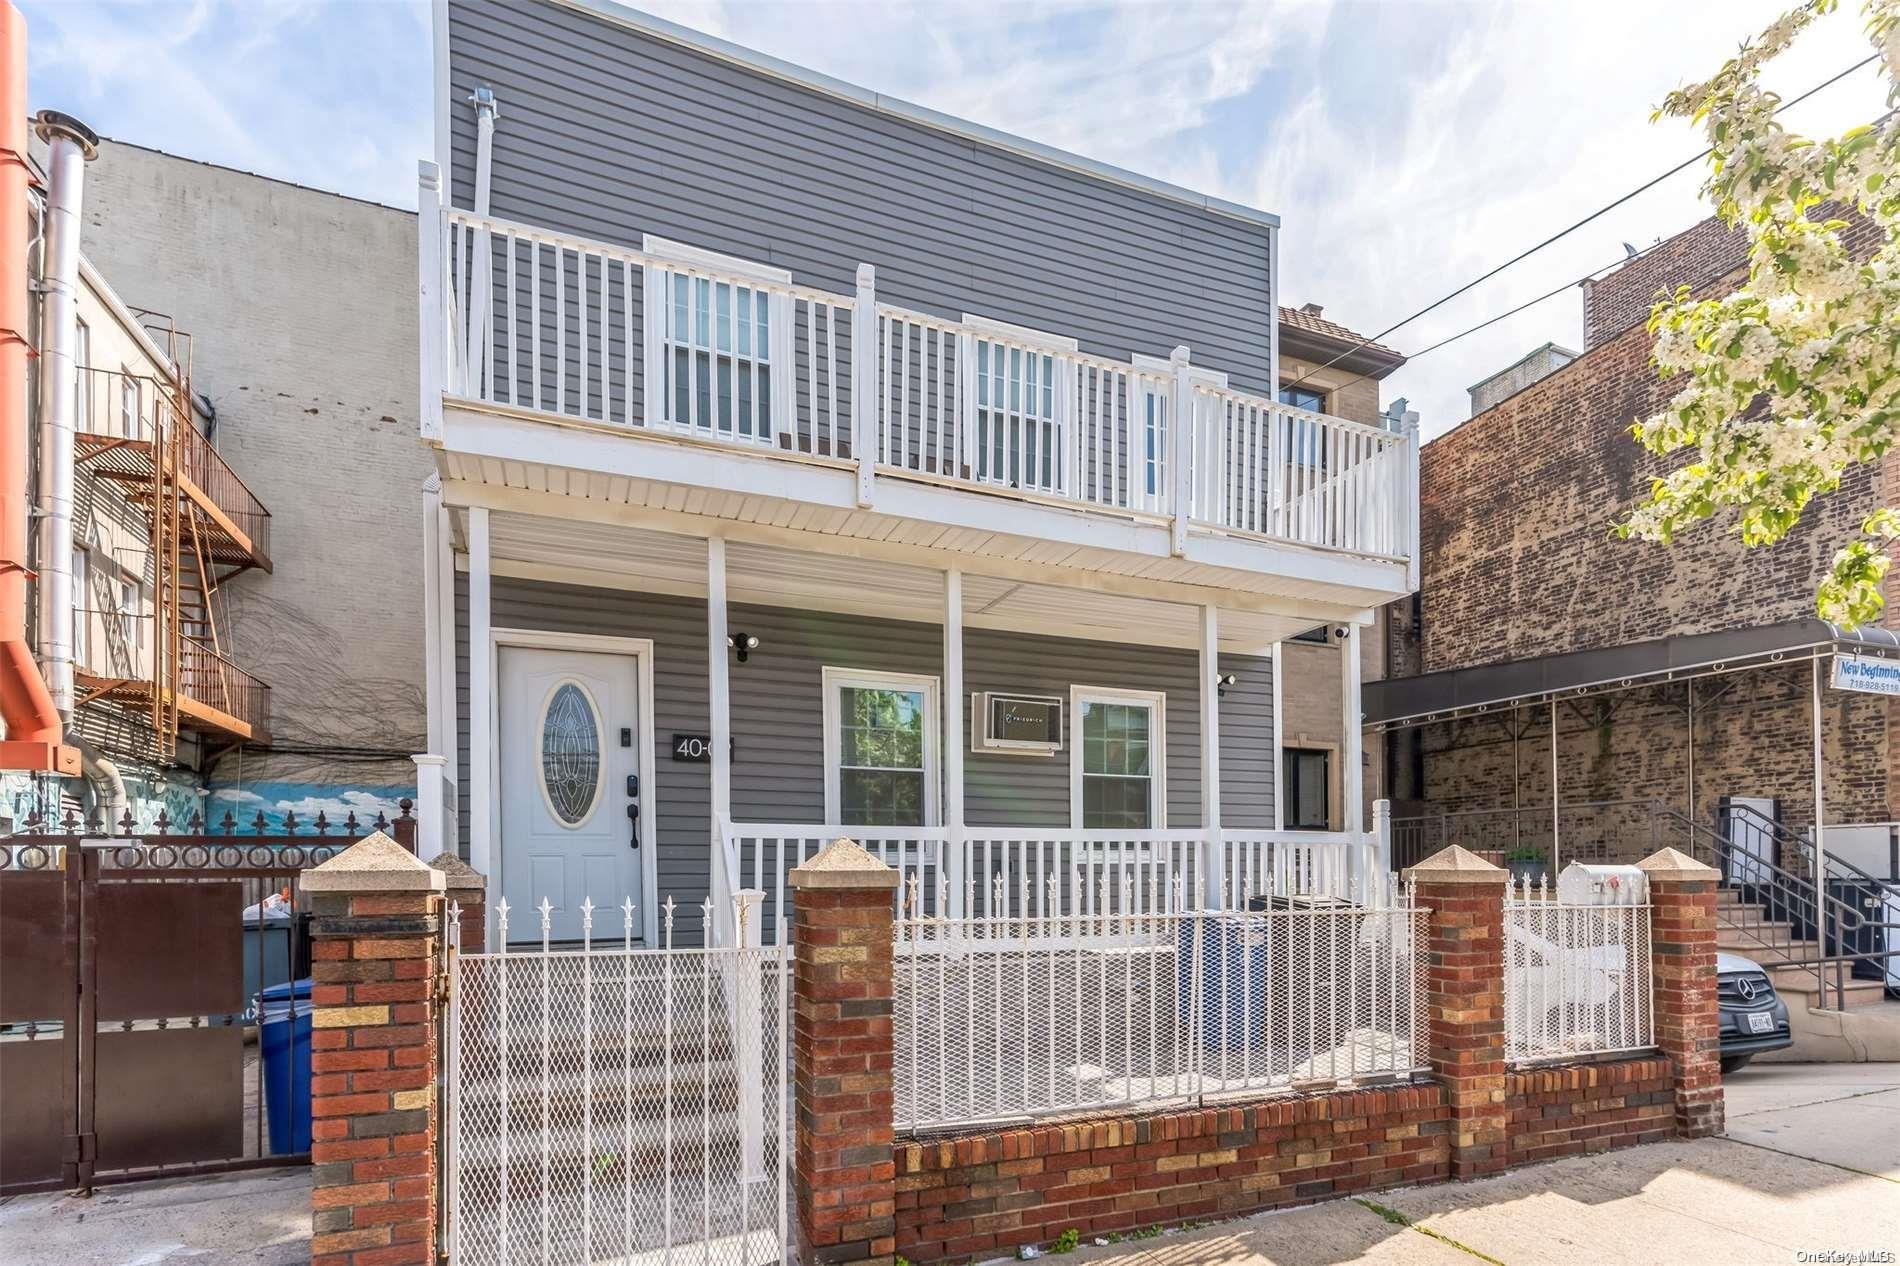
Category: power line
[1521,256]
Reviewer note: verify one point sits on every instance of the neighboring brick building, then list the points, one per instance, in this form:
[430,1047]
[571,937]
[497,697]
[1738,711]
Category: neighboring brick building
[1518,563]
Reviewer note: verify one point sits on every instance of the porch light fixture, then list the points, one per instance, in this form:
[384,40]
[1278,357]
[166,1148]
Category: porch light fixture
[744,643]
[1222,682]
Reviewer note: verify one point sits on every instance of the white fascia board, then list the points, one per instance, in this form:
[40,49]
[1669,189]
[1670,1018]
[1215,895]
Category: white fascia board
[726,51]
[1375,581]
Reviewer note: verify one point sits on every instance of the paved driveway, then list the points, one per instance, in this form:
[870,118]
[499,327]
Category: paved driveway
[1811,1163]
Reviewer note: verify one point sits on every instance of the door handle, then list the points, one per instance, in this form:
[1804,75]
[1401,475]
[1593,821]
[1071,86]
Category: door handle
[633,818]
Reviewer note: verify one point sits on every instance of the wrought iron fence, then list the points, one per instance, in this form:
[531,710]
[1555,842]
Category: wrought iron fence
[1576,977]
[1025,1014]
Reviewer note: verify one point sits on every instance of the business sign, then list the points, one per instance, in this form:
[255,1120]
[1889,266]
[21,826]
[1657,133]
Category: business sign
[1868,674]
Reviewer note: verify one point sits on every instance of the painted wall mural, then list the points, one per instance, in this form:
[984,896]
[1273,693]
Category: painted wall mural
[275,800]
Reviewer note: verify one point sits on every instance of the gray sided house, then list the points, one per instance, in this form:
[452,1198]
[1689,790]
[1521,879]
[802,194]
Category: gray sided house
[808,463]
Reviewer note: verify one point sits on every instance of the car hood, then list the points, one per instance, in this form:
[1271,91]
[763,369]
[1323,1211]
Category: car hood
[1725,963]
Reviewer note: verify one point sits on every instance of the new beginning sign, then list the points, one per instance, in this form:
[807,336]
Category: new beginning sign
[1868,674]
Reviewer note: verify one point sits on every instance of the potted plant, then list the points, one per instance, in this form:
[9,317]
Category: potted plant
[1525,863]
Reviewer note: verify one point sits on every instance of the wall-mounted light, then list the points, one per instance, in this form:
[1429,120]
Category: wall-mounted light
[744,643]
[1222,682]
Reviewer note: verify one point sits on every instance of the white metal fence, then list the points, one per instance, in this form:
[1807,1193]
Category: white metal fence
[612,1102]
[1027,1014]
[533,318]
[1576,977]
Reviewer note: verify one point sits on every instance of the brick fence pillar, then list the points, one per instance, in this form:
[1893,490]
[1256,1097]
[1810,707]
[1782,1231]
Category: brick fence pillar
[373,1056]
[1464,1001]
[466,888]
[843,1057]
[1682,948]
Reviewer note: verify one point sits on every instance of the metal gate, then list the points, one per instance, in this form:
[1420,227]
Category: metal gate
[129,1039]
[608,1102]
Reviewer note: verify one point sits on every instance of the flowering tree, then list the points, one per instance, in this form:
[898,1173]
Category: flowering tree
[1794,378]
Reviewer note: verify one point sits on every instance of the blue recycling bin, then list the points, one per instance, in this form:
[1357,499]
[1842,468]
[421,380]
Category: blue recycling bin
[1233,961]
[284,1035]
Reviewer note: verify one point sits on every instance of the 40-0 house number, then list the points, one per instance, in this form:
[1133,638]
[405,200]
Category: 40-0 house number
[695,749]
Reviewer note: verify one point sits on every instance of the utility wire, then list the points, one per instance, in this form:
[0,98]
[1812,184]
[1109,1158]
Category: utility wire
[1521,256]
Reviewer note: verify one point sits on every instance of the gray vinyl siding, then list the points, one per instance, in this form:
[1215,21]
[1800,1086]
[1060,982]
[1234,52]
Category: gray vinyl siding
[778,717]
[610,133]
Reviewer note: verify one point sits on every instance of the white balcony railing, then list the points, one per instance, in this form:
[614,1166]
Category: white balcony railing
[543,321]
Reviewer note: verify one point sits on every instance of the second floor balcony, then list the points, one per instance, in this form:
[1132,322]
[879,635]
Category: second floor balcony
[698,372]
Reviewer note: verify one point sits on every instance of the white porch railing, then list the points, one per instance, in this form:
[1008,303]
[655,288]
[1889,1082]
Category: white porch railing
[1010,872]
[551,323]
[1576,977]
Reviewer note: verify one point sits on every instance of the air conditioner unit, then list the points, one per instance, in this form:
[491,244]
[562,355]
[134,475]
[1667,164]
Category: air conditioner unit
[1017,725]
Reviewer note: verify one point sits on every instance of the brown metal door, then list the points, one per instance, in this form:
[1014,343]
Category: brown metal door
[39,1017]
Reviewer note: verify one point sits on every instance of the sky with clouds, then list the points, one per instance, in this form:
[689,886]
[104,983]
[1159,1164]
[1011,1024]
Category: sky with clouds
[1406,146]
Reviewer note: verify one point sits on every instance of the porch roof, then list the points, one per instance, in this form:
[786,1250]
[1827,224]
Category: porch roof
[1401,702]
[616,556]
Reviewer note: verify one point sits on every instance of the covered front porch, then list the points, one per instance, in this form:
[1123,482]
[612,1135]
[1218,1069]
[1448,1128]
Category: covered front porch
[1012,737]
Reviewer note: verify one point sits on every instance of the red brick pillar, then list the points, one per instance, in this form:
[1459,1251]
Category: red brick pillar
[1682,950]
[845,1170]
[1464,1001]
[466,889]
[373,1056]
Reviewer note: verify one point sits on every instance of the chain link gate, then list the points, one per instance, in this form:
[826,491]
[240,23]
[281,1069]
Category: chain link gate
[612,1102]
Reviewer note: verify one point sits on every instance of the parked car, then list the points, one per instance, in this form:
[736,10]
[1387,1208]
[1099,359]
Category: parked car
[1754,1018]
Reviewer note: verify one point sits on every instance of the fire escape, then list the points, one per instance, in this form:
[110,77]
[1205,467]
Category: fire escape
[205,529]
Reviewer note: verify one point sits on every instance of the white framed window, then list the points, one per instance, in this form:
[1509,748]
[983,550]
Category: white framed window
[881,738]
[82,374]
[1148,473]
[82,616]
[719,359]
[1017,397]
[128,405]
[1117,759]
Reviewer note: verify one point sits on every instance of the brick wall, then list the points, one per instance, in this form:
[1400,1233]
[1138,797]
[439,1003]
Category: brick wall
[982,1195]
[1518,562]
[1583,1108]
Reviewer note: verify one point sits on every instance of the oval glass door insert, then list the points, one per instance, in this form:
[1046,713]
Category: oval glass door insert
[570,753]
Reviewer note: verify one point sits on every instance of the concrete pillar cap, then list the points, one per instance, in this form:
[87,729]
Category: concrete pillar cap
[1456,865]
[375,863]
[843,863]
[1672,864]
[456,872]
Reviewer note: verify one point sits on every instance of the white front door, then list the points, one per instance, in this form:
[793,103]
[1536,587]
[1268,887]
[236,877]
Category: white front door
[569,746]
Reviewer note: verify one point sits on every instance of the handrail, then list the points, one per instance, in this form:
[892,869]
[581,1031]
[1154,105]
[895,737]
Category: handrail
[1785,893]
[1805,844]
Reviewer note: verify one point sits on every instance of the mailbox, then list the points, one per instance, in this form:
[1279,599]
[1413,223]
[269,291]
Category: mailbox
[1582,884]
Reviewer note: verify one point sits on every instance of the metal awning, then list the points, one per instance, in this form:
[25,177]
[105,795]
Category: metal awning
[1408,701]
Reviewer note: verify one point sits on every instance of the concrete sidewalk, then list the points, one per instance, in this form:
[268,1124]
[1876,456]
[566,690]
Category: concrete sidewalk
[1811,1163]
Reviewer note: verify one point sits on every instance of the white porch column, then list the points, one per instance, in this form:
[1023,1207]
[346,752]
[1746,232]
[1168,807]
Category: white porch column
[1352,763]
[433,833]
[719,701]
[865,436]
[1181,442]
[1279,751]
[481,701]
[952,867]
[444,683]
[439,735]
[431,302]
[1213,852]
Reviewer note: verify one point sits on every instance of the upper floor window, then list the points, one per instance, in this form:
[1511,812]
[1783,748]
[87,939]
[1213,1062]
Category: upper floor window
[82,371]
[1018,407]
[721,346]
[1306,442]
[128,405]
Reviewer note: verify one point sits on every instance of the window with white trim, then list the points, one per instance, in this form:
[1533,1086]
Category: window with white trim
[128,405]
[719,358]
[1017,405]
[880,748]
[1117,756]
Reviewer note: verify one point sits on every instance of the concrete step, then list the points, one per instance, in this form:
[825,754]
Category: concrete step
[1798,983]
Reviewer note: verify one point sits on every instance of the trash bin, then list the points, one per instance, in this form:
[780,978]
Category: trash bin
[1233,963]
[284,1035]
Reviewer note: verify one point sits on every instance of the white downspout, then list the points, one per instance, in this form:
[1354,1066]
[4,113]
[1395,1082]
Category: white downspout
[71,145]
